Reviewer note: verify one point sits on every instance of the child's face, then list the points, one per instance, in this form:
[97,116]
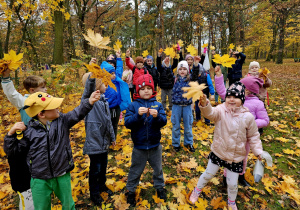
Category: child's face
[253,71]
[51,114]
[149,62]
[182,71]
[146,92]
[232,102]
[113,76]
[190,61]
[102,88]
[38,89]
[139,65]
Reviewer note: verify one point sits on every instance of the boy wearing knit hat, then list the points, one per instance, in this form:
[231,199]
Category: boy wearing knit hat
[145,117]
[138,69]
[46,139]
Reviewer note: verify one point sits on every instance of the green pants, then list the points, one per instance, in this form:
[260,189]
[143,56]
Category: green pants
[42,189]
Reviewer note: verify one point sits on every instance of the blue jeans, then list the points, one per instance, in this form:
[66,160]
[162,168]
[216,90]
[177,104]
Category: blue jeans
[97,174]
[184,112]
[198,113]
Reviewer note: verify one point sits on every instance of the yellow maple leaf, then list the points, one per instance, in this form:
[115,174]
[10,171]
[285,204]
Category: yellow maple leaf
[145,53]
[192,50]
[224,60]
[204,45]
[117,46]
[231,46]
[194,91]
[218,203]
[119,185]
[264,71]
[212,47]
[120,172]
[180,42]
[191,164]
[289,151]
[201,204]
[239,49]
[102,74]
[11,61]
[169,51]
[282,139]
[96,40]
[157,199]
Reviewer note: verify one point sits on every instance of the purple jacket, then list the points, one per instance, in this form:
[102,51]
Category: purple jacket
[252,102]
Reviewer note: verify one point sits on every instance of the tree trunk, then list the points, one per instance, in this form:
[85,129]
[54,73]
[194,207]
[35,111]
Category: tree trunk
[7,37]
[282,22]
[137,34]
[199,39]
[231,22]
[273,43]
[58,53]
[71,44]
[1,49]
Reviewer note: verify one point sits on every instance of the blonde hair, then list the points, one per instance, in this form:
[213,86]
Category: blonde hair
[33,81]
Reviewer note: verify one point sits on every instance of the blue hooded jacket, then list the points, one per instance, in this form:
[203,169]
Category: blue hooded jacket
[177,92]
[121,97]
[145,131]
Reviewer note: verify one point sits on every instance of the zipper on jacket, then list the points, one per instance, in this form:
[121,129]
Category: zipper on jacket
[48,150]
[147,130]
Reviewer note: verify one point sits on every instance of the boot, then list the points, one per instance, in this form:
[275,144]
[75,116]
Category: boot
[242,181]
[224,184]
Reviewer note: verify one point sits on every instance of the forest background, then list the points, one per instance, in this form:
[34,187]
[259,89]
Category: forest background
[51,32]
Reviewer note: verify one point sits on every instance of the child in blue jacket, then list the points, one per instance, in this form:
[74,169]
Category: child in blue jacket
[145,117]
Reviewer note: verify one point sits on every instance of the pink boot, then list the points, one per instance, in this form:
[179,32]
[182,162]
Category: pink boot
[232,205]
[195,195]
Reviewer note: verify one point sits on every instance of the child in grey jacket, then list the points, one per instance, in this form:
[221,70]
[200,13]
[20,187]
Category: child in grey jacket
[99,136]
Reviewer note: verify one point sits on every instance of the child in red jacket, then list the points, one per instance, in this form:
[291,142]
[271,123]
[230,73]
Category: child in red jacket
[138,69]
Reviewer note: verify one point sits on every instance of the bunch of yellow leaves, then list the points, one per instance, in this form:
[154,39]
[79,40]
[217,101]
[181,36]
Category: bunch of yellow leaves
[169,51]
[212,47]
[96,40]
[11,61]
[224,60]
[194,91]
[145,53]
[117,46]
[265,72]
[102,74]
[161,50]
[192,50]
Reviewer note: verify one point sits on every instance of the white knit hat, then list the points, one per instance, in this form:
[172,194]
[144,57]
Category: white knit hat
[183,64]
[254,63]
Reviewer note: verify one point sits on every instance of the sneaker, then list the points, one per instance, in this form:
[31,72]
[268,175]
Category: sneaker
[105,189]
[97,200]
[131,198]
[194,195]
[243,182]
[177,149]
[190,147]
[161,193]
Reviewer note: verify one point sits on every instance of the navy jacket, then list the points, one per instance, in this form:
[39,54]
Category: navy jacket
[236,71]
[145,131]
[49,151]
[177,92]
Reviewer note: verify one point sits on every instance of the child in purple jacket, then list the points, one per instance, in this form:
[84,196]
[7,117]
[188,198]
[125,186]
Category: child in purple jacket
[252,102]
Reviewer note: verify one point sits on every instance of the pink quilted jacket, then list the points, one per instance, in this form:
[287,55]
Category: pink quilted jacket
[232,131]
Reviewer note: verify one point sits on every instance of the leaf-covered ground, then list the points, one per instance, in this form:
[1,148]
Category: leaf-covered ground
[279,188]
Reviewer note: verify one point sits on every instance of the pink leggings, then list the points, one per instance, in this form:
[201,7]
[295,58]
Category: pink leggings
[247,147]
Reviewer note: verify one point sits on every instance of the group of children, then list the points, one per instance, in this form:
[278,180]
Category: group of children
[45,154]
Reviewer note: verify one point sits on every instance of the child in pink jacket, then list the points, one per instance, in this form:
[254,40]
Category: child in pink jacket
[252,102]
[234,127]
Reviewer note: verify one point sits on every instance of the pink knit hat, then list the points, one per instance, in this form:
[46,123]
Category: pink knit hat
[252,83]
[189,55]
